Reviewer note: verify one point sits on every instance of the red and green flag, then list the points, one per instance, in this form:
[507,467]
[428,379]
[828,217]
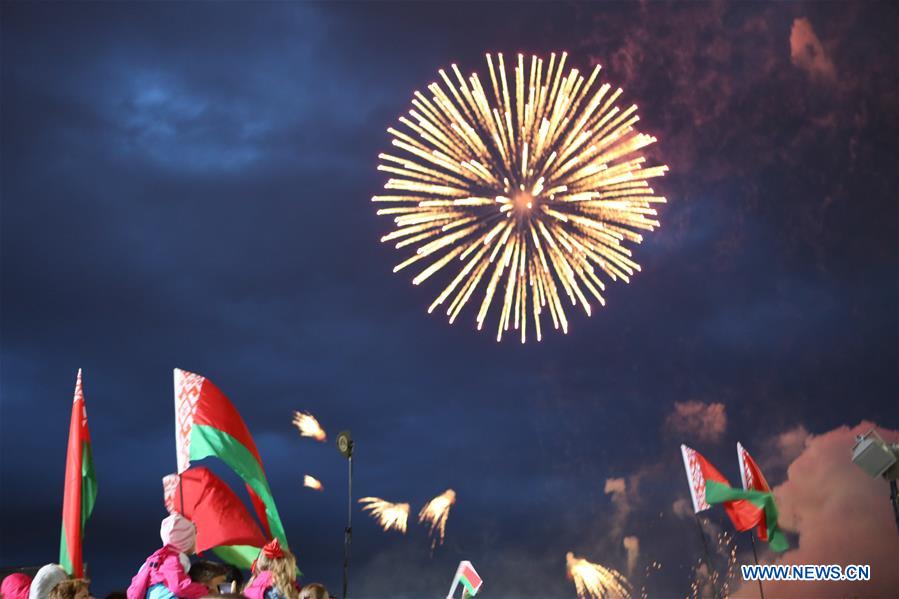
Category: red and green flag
[753,480]
[80,487]
[471,581]
[223,523]
[746,509]
[208,425]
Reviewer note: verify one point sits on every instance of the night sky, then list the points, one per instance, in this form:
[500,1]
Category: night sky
[188,185]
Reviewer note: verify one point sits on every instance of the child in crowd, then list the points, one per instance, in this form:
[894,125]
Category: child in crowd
[164,574]
[46,578]
[314,590]
[70,589]
[212,574]
[274,574]
[15,586]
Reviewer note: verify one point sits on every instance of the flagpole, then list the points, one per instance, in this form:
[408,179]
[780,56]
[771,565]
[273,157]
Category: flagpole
[708,561]
[181,494]
[452,590]
[756,556]
[348,532]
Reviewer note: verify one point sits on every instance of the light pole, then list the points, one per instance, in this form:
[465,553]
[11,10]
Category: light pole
[878,458]
[345,445]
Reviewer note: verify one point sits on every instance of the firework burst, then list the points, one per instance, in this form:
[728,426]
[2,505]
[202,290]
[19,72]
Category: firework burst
[313,483]
[309,426]
[534,186]
[389,515]
[436,513]
[596,581]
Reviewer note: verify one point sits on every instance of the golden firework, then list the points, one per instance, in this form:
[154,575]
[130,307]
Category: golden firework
[313,483]
[435,513]
[533,187]
[596,581]
[389,515]
[308,426]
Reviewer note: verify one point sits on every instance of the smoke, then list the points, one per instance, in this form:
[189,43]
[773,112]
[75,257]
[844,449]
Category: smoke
[842,516]
[807,53]
[632,546]
[696,420]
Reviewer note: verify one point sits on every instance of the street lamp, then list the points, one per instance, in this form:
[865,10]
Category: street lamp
[878,458]
[345,446]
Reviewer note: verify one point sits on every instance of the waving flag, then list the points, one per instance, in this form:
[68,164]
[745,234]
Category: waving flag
[208,425]
[469,578]
[753,480]
[80,487]
[699,473]
[223,523]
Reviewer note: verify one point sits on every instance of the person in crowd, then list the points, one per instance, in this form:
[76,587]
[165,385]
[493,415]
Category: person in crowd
[274,574]
[76,588]
[314,590]
[212,574]
[15,586]
[235,577]
[46,578]
[164,574]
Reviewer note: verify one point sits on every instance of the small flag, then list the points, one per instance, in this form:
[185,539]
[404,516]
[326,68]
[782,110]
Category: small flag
[80,487]
[469,578]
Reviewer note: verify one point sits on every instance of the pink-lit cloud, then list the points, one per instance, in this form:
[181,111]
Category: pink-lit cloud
[841,516]
[807,52]
[697,421]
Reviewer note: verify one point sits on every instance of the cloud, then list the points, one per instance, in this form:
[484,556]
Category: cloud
[807,53]
[682,508]
[632,546]
[789,445]
[697,420]
[840,514]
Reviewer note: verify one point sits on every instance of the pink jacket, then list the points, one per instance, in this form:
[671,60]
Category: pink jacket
[164,567]
[256,589]
[261,583]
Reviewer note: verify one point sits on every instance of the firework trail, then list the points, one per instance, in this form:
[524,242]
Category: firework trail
[534,185]
[714,581]
[308,426]
[389,515]
[436,512]
[596,581]
[312,483]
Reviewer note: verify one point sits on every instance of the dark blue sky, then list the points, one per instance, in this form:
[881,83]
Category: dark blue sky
[187,185]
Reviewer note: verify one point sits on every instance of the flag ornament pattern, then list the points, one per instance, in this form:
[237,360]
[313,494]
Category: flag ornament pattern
[80,492]
[695,478]
[208,425]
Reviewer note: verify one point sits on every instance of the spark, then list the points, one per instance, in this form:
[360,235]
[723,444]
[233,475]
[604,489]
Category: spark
[389,515]
[596,581]
[436,512]
[312,483]
[308,426]
[530,189]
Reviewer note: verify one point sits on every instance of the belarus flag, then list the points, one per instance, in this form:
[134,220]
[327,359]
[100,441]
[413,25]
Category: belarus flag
[753,479]
[80,487]
[469,578]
